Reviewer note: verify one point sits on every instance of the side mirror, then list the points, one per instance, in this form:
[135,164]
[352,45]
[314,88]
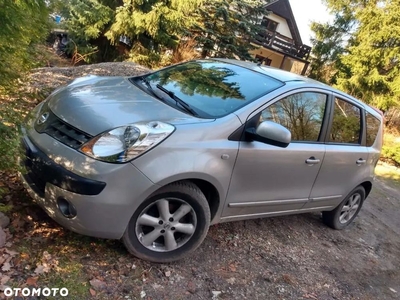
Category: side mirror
[270,133]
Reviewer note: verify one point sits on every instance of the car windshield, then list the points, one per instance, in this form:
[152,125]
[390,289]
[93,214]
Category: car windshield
[213,88]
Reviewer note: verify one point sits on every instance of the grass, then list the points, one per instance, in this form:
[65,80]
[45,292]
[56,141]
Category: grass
[388,172]
[46,57]
[70,274]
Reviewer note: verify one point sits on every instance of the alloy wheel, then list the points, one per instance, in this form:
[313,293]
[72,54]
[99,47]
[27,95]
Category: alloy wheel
[350,208]
[166,224]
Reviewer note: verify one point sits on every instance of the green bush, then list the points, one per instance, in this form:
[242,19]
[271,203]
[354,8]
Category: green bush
[392,152]
[17,40]
[12,114]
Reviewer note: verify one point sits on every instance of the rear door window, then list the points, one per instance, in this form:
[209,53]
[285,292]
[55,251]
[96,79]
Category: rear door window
[346,123]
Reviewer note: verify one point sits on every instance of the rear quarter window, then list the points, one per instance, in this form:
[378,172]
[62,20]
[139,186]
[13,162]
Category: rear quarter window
[373,125]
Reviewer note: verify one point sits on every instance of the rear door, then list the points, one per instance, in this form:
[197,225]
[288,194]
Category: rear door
[345,162]
[271,180]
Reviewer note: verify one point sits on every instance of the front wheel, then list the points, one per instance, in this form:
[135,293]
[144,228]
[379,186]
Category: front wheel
[345,213]
[169,225]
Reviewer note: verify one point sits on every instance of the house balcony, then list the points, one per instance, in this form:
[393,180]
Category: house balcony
[278,42]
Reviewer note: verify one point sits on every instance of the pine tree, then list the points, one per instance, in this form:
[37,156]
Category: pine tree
[222,28]
[327,48]
[153,26]
[17,40]
[225,27]
[87,22]
[365,54]
[373,56]
[17,35]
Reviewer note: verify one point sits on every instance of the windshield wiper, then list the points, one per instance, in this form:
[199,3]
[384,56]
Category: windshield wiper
[150,88]
[178,100]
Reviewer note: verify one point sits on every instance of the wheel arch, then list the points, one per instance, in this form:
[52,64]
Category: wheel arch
[209,186]
[367,185]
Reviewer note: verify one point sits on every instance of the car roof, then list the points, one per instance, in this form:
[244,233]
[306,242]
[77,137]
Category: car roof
[286,76]
[279,74]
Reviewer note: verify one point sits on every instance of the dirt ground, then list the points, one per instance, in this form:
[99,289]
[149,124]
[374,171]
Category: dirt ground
[293,257]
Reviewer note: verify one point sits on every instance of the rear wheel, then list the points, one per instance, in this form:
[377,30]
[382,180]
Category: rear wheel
[346,212]
[169,225]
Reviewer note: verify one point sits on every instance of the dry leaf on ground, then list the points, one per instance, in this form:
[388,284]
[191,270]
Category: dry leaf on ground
[6,267]
[11,252]
[97,284]
[32,281]
[40,269]
[4,279]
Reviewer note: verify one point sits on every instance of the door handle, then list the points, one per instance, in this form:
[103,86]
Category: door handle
[312,161]
[361,161]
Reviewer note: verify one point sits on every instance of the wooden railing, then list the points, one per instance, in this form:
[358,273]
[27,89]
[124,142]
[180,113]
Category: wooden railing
[280,42]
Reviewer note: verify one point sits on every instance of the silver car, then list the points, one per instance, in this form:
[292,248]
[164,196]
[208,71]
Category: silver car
[154,160]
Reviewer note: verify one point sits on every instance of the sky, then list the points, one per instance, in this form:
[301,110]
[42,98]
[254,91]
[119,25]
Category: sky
[306,11]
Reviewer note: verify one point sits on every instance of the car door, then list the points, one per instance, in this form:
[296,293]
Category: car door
[270,180]
[345,163]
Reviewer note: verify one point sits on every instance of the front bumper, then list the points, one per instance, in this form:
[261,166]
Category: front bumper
[105,196]
[41,170]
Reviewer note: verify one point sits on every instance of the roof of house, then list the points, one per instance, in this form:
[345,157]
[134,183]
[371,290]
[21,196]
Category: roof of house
[283,9]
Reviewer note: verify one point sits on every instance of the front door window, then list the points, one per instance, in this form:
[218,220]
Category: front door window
[301,113]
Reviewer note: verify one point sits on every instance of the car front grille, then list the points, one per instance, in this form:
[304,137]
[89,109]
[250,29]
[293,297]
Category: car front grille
[61,131]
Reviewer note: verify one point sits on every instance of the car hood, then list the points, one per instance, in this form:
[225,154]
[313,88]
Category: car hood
[95,104]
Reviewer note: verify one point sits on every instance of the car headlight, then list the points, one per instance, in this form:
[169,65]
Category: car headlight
[124,143]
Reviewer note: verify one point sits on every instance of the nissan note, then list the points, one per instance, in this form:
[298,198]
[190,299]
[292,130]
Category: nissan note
[154,160]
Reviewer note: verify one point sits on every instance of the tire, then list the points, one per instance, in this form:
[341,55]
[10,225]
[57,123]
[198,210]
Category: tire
[340,218]
[169,240]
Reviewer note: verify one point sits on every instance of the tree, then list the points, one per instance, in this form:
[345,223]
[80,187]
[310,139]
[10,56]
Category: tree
[17,35]
[87,22]
[365,52]
[327,47]
[156,27]
[373,57]
[17,38]
[224,28]
[152,26]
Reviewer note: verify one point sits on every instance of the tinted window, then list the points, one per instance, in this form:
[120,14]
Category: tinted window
[301,113]
[346,124]
[213,88]
[372,128]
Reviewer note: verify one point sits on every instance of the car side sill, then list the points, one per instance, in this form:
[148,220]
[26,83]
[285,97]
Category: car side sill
[326,198]
[276,213]
[266,203]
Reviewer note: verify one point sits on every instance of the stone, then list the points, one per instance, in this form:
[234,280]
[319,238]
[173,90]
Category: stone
[3,238]
[4,220]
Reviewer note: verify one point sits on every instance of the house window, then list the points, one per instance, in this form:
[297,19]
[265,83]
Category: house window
[269,24]
[263,60]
